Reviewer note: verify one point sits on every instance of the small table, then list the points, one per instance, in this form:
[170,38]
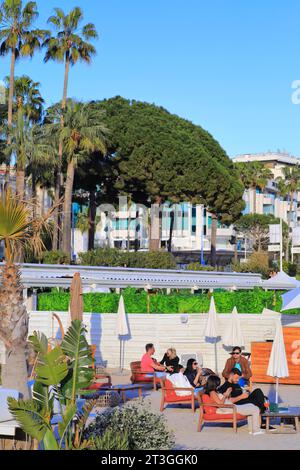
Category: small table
[122,389]
[293,412]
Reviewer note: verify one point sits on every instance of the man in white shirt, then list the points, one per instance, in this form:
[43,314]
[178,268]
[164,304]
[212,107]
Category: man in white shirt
[178,379]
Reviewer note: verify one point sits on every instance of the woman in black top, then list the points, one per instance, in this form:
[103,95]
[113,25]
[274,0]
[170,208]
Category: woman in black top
[170,359]
[193,373]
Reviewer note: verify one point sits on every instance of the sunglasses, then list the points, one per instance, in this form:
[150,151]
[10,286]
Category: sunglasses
[195,363]
[236,353]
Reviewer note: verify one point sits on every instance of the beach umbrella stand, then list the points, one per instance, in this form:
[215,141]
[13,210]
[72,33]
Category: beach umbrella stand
[211,333]
[122,332]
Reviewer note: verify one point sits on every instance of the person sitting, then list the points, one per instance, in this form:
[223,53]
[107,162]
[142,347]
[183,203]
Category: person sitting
[196,375]
[241,395]
[237,361]
[249,410]
[178,379]
[149,364]
[170,359]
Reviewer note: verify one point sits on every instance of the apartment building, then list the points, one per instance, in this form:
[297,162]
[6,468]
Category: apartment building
[192,223]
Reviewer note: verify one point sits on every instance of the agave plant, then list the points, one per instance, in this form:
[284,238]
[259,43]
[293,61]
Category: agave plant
[61,374]
[18,229]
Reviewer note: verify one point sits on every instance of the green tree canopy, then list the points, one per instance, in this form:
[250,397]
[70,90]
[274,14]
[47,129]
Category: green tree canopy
[255,227]
[164,157]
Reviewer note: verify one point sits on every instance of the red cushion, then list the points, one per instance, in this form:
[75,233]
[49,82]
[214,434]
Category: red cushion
[176,398]
[222,417]
[208,409]
[96,386]
[171,395]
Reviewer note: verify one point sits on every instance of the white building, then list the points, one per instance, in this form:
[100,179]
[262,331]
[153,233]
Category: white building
[192,225]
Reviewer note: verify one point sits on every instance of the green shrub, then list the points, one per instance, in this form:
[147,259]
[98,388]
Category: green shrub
[146,429]
[55,257]
[117,258]
[290,268]
[111,441]
[257,263]
[196,266]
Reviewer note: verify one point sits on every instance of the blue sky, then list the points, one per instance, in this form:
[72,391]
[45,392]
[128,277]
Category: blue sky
[227,65]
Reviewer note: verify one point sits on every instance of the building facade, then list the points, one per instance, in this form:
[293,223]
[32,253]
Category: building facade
[192,223]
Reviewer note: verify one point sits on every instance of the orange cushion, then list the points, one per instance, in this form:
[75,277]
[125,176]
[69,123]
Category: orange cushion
[221,417]
[176,398]
[171,395]
[208,409]
[96,386]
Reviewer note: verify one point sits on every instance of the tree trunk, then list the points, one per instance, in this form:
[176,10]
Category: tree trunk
[67,209]
[287,251]
[59,176]
[136,239]
[92,218]
[10,109]
[20,183]
[14,373]
[155,226]
[56,218]
[254,200]
[172,216]
[213,239]
[13,328]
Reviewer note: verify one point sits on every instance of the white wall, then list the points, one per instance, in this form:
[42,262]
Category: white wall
[163,330]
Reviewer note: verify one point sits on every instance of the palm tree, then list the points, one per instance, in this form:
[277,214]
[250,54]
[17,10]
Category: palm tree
[19,230]
[288,185]
[27,97]
[19,40]
[70,45]
[81,134]
[254,175]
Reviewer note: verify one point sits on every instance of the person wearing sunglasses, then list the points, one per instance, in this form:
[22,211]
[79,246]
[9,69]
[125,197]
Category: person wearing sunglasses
[195,374]
[237,361]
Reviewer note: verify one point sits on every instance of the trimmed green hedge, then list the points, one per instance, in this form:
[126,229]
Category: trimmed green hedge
[246,301]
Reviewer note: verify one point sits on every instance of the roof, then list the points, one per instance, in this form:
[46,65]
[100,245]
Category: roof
[284,158]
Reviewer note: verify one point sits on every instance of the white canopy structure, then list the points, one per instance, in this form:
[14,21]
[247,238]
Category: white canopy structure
[281,281]
[46,275]
[291,299]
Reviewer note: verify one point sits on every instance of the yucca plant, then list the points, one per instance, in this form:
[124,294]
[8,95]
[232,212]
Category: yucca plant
[18,229]
[61,373]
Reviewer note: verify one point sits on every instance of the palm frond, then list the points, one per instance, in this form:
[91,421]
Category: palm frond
[33,421]
[51,368]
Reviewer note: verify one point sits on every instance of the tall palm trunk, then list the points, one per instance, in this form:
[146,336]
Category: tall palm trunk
[287,251]
[155,225]
[10,107]
[59,176]
[20,182]
[213,239]
[92,220]
[254,200]
[67,208]
[13,329]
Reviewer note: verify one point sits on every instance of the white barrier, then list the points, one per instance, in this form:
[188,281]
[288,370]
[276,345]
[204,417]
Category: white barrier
[164,330]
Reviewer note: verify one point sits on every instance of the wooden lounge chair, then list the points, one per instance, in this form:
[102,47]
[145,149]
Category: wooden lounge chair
[138,376]
[169,396]
[208,413]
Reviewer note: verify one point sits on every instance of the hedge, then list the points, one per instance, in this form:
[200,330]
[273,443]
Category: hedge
[246,301]
[130,259]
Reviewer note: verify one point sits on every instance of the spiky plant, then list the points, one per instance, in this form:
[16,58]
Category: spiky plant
[18,229]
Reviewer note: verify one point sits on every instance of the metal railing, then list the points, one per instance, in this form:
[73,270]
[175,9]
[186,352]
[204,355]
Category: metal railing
[42,275]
